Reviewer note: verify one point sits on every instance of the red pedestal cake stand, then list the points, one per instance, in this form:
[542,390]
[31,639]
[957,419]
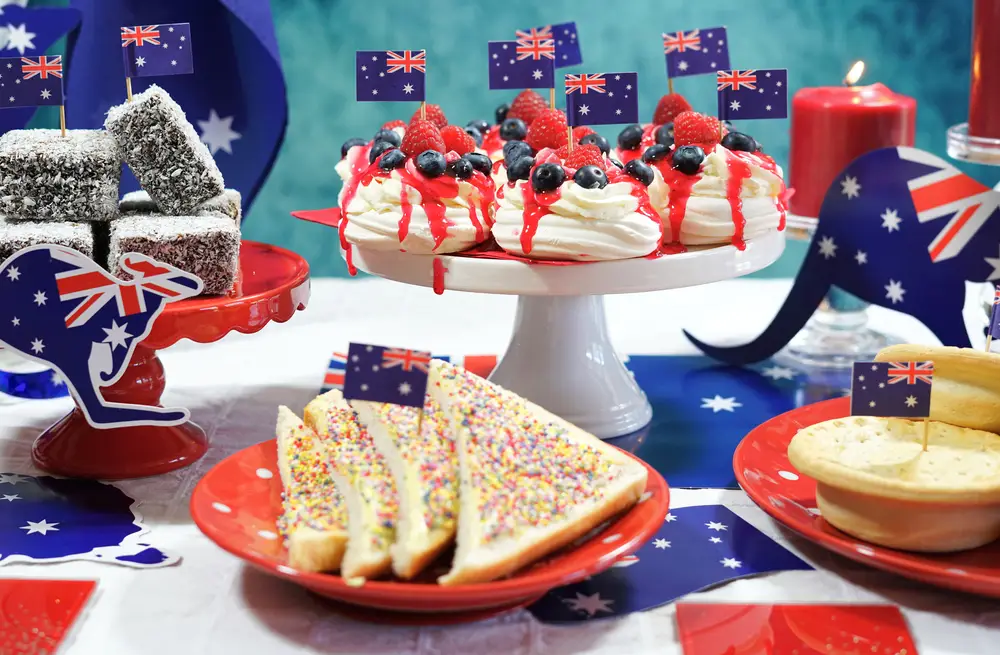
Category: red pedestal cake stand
[274,285]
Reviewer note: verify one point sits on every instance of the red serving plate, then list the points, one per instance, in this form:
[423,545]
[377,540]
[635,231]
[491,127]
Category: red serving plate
[238,502]
[763,470]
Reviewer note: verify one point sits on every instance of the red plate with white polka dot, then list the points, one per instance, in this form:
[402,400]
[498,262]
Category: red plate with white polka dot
[763,470]
[238,502]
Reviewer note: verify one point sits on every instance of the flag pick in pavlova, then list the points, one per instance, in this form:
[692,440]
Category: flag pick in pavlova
[37,82]
[397,376]
[697,52]
[567,45]
[994,332]
[156,51]
[522,65]
[892,389]
[391,76]
[754,93]
[601,99]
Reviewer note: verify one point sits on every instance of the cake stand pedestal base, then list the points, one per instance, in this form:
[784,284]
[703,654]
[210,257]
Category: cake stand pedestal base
[560,357]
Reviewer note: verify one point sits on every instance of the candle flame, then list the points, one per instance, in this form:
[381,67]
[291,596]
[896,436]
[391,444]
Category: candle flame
[853,75]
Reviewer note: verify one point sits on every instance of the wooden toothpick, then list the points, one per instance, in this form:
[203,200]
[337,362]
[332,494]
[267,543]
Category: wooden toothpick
[552,98]
[569,146]
[670,86]
[62,120]
[423,110]
[927,427]
[128,88]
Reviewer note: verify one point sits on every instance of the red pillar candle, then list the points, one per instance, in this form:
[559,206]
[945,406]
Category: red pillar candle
[832,126]
[984,97]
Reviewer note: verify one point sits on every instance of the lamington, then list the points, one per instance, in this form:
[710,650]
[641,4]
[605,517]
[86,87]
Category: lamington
[164,151]
[46,176]
[206,246]
[228,203]
[17,235]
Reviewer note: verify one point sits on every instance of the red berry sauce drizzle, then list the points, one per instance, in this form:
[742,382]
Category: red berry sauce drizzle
[432,191]
[648,139]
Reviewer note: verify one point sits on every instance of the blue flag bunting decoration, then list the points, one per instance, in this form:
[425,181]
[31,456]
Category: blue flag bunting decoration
[236,101]
[697,547]
[31,82]
[62,309]
[47,519]
[900,228]
[748,94]
[602,98]
[697,52]
[516,66]
[567,44]
[390,76]
[386,375]
[157,50]
[892,389]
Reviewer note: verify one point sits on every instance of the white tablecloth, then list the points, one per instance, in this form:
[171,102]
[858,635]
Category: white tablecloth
[210,603]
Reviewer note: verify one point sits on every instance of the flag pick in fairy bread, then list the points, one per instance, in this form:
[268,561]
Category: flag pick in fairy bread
[697,52]
[36,82]
[156,51]
[391,76]
[601,99]
[893,389]
[397,376]
[994,332]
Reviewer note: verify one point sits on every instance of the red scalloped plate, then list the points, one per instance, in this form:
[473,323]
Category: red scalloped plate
[238,502]
[765,474]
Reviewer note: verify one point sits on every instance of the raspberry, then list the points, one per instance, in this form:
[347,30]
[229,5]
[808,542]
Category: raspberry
[580,132]
[434,114]
[391,125]
[668,107]
[527,106]
[420,136]
[457,139]
[692,128]
[548,130]
[585,155]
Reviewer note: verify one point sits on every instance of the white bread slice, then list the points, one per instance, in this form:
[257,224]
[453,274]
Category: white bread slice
[425,468]
[363,477]
[530,482]
[314,518]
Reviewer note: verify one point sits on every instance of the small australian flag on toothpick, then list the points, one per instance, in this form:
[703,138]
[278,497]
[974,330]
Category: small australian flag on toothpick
[697,52]
[892,389]
[602,98]
[746,94]
[564,34]
[390,75]
[386,375]
[157,50]
[31,82]
[516,65]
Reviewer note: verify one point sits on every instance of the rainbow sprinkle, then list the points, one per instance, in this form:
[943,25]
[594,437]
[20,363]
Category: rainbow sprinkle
[311,500]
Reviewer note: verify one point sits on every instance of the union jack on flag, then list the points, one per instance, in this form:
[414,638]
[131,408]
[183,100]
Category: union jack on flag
[406,61]
[390,75]
[140,35]
[696,52]
[681,42]
[39,81]
[157,50]
[41,67]
[565,44]
[536,49]
[736,79]
[408,359]
[534,35]
[397,376]
[892,389]
[602,98]
[585,83]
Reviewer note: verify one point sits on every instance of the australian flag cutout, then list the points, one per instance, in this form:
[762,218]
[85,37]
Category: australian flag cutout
[63,310]
[697,548]
[899,228]
[45,520]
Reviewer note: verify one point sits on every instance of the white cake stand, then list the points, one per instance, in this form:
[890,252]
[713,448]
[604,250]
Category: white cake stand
[560,356]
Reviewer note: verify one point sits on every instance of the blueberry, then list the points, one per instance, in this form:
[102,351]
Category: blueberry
[480,162]
[630,137]
[350,143]
[640,171]
[687,159]
[665,135]
[431,163]
[547,177]
[591,177]
[655,153]
[739,141]
[616,162]
[461,168]
[377,149]
[513,128]
[392,136]
[501,113]
[520,169]
[479,124]
[476,135]
[514,150]
[728,125]
[392,159]
[597,140]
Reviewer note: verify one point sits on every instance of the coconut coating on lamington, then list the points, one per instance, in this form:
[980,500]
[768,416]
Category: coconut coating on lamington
[164,152]
[206,246]
[47,176]
[18,235]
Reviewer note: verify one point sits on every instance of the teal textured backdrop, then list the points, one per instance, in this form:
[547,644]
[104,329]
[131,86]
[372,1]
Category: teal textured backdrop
[917,47]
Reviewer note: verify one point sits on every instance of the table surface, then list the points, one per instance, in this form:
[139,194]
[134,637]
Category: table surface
[211,603]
